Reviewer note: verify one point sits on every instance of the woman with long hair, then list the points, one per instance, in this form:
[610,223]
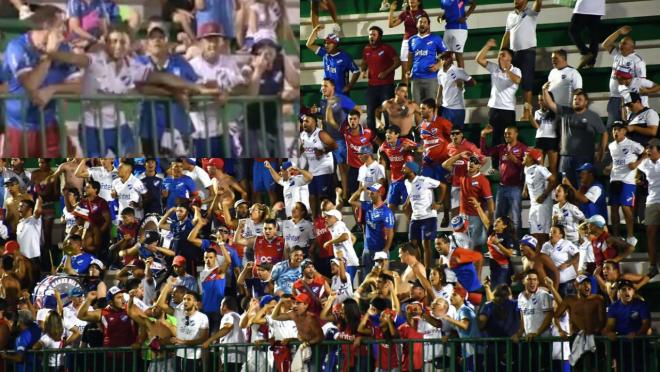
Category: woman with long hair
[439,284]
[346,316]
[566,213]
[501,244]
[55,336]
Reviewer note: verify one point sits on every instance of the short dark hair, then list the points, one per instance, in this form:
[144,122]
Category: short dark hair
[513,126]
[330,81]
[581,92]
[271,221]
[354,112]
[230,303]
[195,294]
[74,191]
[508,51]
[95,185]
[128,211]
[44,16]
[424,16]
[128,161]
[561,228]
[378,29]
[120,27]
[400,85]
[394,128]
[75,237]
[297,248]
[429,102]
[28,203]
[562,53]
[210,250]
[409,248]
[132,284]
[531,272]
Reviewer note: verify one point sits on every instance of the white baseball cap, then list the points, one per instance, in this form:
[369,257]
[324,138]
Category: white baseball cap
[381,256]
[334,213]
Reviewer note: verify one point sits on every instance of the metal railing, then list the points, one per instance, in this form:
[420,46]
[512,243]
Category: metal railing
[455,354]
[71,108]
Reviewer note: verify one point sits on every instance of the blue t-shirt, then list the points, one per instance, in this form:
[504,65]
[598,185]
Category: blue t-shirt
[454,9]
[425,50]
[189,282]
[284,275]
[340,112]
[181,187]
[152,200]
[377,219]
[90,15]
[21,55]
[81,262]
[24,342]
[180,120]
[629,317]
[213,291]
[505,322]
[599,207]
[180,231]
[220,11]
[256,286]
[337,67]
[466,274]
[112,10]
[466,312]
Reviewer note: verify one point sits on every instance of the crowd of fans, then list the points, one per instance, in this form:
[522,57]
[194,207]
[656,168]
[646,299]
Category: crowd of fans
[223,48]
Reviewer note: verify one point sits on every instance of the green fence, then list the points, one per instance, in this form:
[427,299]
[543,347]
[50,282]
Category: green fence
[476,354]
[263,130]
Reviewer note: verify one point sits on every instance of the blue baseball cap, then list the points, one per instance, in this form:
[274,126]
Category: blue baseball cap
[412,166]
[366,150]
[286,165]
[76,292]
[529,241]
[266,299]
[586,167]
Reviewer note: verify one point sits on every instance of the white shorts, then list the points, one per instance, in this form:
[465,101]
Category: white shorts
[404,51]
[540,218]
[455,197]
[455,40]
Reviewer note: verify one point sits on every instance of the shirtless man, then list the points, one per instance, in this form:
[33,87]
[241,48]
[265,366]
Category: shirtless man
[609,274]
[10,287]
[157,329]
[68,170]
[541,263]
[401,112]
[11,203]
[415,270]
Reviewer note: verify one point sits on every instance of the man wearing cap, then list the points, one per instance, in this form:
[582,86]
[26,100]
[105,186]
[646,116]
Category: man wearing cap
[624,57]
[14,197]
[317,146]
[379,221]
[307,324]
[628,317]
[509,155]
[539,183]
[393,154]
[294,182]
[341,283]
[75,261]
[651,168]
[591,194]
[358,139]
[579,127]
[182,277]
[370,172]
[629,84]
[424,215]
[341,242]
[423,52]
[642,120]
[626,156]
[459,168]
[313,285]
[337,64]
[103,174]
[605,246]
[70,312]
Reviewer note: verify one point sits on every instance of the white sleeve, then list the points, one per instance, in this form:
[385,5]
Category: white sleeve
[461,74]
[577,80]
[546,248]
[544,172]
[640,68]
[638,148]
[547,302]
[492,67]
[139,186]
[139,72]
[431,183]
[593,193]
[204,321]
[652,118]
[204,177]
[381,171]
[516,71]
[577,213]
[361,174]
[645,83]
[644,166]
[572,249]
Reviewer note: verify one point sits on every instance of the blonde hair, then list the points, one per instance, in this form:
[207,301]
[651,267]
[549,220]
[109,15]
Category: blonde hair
[53,325]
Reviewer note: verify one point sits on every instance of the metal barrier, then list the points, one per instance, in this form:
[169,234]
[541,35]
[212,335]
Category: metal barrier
[456,354]
[267,134]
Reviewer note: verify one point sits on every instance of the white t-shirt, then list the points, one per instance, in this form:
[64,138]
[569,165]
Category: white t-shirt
[561,253]
[632,62]
[189,328]
[569,216]
[624,153]
[202,181]
[593,7]
[536,178]
[69,220]
[452,94]
[102,77]
[586,250]
[28,235]
[652,171]
[503,89]
[236,335]
[346,246]
[420,194]
[318,166]
[562,84]
[547,125]
[282,329]
[344,290]
[368,175]
[648,117]
[299,234]
[436,349]
[294,190]
[129,191]
[522,29]
[55,360]
[253,229]
[635,85]
[593,193]
[534,310]
[105,178]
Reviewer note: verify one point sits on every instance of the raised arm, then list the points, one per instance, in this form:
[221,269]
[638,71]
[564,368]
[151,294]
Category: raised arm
[552,106]
[483,53]
[163,224]
[392,21]
[278,314]
[276,176]
[610,41]
[85,314]
[312,38]
[78,60]
[81,170]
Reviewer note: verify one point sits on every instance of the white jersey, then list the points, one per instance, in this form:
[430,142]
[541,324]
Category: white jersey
[635,85]
[346,246]
[647,117]
[105,178]
[593,7]
[632,62]
[547,124]
[343,290]
[503,89]
[368,175]
[252,229]
[267,17]
[420,194]
[569,216]
[202,181]
[294,190]
[522,28]
[317,165]
[652,172]
[436,349]
[536,178]
[69,220]
[189,328]
[297,234]
[282,329]
[452,85]
[561,253]
[102,77]
[624,153]
[129,191]
[562,84]
[534,309]
[586,251]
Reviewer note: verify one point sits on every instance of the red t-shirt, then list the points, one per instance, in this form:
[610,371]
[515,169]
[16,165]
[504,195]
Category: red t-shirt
[118,329]
[460,166]
[388,357]
[476,186]
[409,19]
[271,252]
[349,351]
[435,139]
[378,59]
[602,251]
[397,156]
[511,173]
[354,142]
[323,234]
[96,208]
[408,332]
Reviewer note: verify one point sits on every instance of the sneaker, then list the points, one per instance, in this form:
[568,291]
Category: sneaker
[384,6]
[631,240]
[586,61]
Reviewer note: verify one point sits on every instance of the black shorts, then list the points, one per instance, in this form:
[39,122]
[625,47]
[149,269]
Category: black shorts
[525,61]
[547,144]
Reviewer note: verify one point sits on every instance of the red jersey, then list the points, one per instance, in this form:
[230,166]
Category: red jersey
[268,251]
[476,186]
[397,156]
[409,19]
[354,142]
[460,166]
[349,351]
[435,139]
[118,329]
[96,208]
[378,59]
[408,332]
[602,251]
[323,234]
[388,357]
[317,286]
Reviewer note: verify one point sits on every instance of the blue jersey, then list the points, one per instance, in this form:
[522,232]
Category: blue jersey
[112,10]
[336,67]
[181,187]
[177,117]
[629,317]
[284,276]
[425,50]
[378,219]
[454,9]
[340,112]
[599,207]
[22,56]
[213,291]
[220,11]
[152,200]
[80,263]
[91,15]
[24,342]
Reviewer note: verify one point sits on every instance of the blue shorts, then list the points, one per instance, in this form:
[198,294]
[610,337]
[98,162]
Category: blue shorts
[425,229]
[622,194]
[262,181]
[199,147]
[340,154]
[91,141]
[397,194]
[437,172]
[456,116]
[322,186]
[113,206]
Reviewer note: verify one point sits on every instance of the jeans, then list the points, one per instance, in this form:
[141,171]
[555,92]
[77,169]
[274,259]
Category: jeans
[498,274]
[476,232]
[376,94]
[423,89]
[613,110]
[508,199]
[367,262]
[568,164]
[591,22]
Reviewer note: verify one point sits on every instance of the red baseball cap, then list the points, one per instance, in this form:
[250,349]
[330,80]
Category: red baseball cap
[461,292]
[535,153]
[216,163]
[304,298]
[209,29]
[179,261]
[11,247]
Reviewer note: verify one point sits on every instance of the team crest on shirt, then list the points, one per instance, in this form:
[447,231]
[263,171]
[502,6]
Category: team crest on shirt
[625,151]
[475,183]
[634,315]
[124,318]
[563,76]
[381,52]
